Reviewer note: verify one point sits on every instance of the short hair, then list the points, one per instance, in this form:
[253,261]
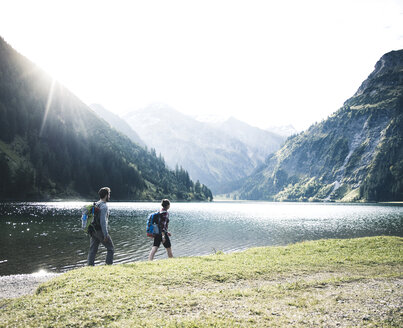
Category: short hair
[165,203]
[103,192]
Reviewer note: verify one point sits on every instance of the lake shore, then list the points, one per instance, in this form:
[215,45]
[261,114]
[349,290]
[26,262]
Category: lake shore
[325,283]
[34,234]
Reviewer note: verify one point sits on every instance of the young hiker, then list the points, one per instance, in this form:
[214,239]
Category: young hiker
[99,232]
[163,236]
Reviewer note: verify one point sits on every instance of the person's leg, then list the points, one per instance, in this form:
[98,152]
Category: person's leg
[94,243]
[167,245]
[156,245]
[110,250]
[169,252]
[152,253]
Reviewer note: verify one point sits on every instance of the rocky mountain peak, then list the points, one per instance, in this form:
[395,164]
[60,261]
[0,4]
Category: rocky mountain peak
[389,64]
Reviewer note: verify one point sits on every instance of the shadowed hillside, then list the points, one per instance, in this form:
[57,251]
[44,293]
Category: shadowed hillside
[53,146]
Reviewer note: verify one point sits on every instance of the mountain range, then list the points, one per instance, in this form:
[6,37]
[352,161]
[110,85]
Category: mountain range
[214,153]
[52,145]
[355,154]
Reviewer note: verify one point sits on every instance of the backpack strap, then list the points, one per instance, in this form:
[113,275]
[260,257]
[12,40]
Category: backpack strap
[96,217]
[156,217]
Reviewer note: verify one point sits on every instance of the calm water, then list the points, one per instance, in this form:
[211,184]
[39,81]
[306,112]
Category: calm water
[48,236]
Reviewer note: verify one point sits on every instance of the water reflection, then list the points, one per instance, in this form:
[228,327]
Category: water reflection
[48,236]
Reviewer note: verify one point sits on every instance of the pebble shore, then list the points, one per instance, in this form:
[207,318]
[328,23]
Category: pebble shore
[22,284]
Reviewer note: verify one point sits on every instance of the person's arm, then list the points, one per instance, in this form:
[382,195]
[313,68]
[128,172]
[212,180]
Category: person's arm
[166,226]
[102,218]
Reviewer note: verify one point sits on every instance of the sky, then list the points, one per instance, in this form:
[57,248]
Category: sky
[268,63]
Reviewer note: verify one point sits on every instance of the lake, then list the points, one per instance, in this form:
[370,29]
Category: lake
[48,236]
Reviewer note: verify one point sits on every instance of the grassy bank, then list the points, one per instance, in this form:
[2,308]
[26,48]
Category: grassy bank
[352,282]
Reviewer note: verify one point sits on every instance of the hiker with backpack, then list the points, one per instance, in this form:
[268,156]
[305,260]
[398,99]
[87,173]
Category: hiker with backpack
[160,232]
[98,229]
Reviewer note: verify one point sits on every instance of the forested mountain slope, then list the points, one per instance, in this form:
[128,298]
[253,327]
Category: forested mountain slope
[54,146]
[355,154]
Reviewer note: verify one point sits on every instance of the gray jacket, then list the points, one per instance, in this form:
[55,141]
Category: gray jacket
[104,216]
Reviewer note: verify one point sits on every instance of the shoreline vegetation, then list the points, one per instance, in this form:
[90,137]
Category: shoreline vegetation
[325,283]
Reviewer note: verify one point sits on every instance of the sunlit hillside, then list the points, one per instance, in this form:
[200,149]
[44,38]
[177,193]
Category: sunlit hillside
[53,146]
[355,154]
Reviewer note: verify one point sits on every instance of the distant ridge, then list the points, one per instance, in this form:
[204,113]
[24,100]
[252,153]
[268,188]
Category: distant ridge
[213,153]
[117,123]
[286,130]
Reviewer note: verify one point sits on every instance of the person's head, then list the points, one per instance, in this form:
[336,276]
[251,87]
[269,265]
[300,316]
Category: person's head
[104,193]
[166,204]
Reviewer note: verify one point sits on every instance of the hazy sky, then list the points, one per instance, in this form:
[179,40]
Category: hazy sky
[264,62]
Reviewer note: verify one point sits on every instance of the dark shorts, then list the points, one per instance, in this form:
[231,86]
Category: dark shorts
[158,241]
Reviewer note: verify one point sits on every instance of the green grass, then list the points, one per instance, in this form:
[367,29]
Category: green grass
[353,281]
